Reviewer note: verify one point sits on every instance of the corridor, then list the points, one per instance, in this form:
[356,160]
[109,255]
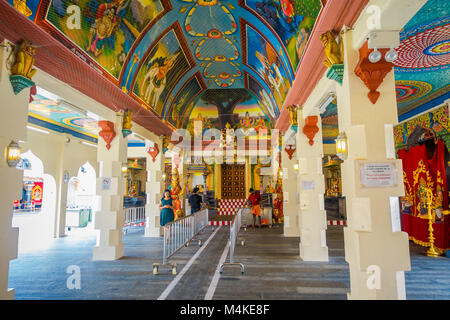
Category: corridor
[273,268]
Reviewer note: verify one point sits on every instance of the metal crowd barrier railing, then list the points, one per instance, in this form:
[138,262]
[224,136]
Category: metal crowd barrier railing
[180,233]
[234,230]
[134,217]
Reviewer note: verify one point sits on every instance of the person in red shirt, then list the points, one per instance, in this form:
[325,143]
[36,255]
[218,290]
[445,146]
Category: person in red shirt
[255,200]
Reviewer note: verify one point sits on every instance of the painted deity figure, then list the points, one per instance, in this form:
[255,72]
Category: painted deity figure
[106,24]
[247,122]
[155,79]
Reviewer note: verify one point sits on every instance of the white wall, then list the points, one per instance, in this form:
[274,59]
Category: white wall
[60,155]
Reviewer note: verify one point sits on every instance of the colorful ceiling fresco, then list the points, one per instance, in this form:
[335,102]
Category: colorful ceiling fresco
[422,69]
[166,53]
[293,21]
[48,113]
[237,107]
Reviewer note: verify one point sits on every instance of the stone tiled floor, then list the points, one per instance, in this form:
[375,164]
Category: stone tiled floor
[273,270]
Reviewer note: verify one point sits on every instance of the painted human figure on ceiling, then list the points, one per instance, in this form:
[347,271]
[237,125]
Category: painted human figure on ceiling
[155,79]
[106,24]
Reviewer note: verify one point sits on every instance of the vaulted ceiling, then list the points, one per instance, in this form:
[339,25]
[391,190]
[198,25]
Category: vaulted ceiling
[178,60]
[173,56]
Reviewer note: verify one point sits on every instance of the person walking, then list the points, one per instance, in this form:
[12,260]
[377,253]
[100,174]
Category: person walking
[255,201]
[195,201]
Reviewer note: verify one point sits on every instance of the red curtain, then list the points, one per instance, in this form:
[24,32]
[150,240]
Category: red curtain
[422,170]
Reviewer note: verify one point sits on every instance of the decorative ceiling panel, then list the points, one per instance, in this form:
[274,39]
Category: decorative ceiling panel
[422,69]
[151,49]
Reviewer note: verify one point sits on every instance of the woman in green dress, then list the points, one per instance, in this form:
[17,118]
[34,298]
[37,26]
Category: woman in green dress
[166,208]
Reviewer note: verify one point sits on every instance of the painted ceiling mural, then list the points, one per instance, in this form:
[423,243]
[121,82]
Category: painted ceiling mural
[422,69]
[166,54]
[50,114]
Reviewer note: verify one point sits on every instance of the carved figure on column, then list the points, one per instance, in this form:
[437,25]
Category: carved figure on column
[22,69]
[293,114]
[175,191]
[278,216]
[126,124]
[331,49]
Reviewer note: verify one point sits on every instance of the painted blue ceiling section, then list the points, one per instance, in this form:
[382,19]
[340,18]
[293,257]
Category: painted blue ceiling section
[175,15]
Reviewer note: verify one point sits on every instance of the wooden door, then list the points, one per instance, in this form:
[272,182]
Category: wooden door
[233,181]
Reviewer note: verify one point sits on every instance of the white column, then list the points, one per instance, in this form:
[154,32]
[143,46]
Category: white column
[290,193]
[111,187]
[376,249]
[312,215]
[154,190]
[14,110]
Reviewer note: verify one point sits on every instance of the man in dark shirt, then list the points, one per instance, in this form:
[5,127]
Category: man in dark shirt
[195,201]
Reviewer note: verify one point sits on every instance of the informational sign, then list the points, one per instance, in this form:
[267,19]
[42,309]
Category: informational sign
[106,183]
[378,175]
[308,184]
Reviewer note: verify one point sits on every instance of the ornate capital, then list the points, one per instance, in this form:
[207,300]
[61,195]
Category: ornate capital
[153,151]
[372,74]
[107,132]
[290,149]
[310,129]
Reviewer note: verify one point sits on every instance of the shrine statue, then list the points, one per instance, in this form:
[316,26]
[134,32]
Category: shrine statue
[24,63]
[331,49]
[175,191]
[277,216]
[293,114]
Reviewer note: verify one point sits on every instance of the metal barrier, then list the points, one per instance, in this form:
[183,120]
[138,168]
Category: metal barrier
[234,230]
[180,233]
[134,217]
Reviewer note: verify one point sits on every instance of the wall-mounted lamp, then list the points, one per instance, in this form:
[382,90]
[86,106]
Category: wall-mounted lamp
[391,55]
[375,56]
[163,176]
[296,166]
[124,169]
[341,146]
[13,154]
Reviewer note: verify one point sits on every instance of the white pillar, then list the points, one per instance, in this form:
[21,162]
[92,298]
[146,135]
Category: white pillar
[312,215]
[154,190]
[111,187]
[290,194]
[376,249]
[14,110]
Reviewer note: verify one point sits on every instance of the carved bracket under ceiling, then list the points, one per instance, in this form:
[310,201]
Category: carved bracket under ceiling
[153,151]
[372,74]
[107,132]
[310,129]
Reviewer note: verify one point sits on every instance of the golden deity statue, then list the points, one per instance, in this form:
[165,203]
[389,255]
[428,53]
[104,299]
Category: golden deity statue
[293,114]
[23,65]
[332,50]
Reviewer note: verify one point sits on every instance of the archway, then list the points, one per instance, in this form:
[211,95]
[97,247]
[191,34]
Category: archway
[81,201]
[35,211]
